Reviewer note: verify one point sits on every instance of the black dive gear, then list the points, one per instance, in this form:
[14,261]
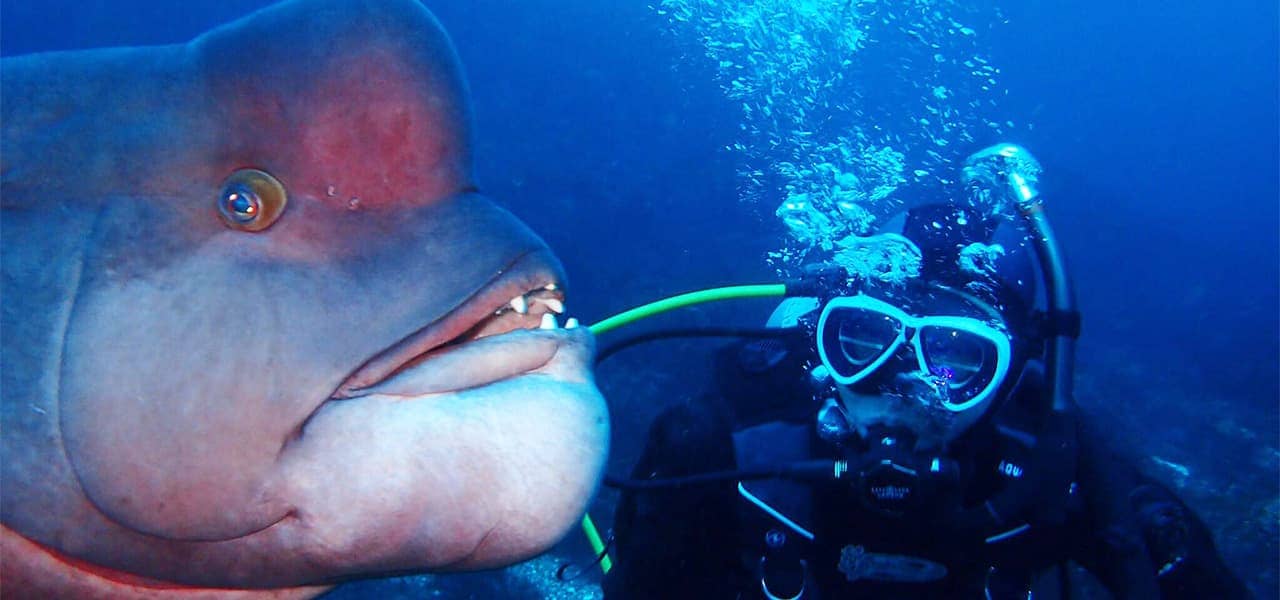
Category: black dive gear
[888,477]
[709,540]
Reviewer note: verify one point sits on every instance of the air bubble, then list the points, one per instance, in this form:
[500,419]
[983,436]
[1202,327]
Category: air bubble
[809,133]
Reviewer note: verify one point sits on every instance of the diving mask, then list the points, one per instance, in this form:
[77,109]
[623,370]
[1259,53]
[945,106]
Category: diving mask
[964,358]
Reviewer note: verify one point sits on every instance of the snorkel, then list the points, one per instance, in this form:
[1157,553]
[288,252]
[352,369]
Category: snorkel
[1008,175]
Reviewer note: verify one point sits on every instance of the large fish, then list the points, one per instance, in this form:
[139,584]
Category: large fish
[261,331]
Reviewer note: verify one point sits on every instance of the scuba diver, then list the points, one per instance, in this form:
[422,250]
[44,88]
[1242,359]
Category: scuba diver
[908,431]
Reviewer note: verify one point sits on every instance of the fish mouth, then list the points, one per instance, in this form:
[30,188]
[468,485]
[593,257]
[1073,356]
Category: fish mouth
[526,295]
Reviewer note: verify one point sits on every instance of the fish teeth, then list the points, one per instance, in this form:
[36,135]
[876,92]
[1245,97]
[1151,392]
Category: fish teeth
[572,323]
[520,304]
[548,322]
[554,304]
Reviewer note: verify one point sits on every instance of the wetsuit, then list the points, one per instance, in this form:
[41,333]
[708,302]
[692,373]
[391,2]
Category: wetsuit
[1069,499]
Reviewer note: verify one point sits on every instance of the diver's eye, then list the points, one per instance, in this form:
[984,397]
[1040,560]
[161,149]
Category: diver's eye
[251,200]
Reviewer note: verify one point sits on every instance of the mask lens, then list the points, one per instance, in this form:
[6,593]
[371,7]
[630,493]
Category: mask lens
[966,361]
[854,338]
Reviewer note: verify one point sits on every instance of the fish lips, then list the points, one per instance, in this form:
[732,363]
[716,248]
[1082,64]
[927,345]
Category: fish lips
[485,361]
[481,341]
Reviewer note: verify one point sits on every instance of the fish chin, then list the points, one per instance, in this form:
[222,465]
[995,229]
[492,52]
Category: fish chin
[452,480]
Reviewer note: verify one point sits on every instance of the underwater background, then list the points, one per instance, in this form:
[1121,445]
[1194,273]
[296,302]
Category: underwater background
[653,144]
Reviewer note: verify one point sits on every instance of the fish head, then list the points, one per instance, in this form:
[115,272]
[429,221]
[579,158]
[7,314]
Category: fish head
[295,343]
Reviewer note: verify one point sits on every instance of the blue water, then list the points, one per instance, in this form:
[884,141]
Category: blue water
[605,127]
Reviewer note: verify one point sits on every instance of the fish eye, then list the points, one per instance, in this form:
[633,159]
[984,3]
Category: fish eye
[251,200]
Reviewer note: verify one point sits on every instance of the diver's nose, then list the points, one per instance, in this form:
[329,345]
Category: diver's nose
[902,370]
[909,378]
[907,351]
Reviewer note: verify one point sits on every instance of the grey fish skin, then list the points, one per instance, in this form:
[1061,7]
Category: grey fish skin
[191,408]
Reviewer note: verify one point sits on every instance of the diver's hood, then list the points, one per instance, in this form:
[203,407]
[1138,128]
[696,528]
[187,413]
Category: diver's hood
[989,260]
